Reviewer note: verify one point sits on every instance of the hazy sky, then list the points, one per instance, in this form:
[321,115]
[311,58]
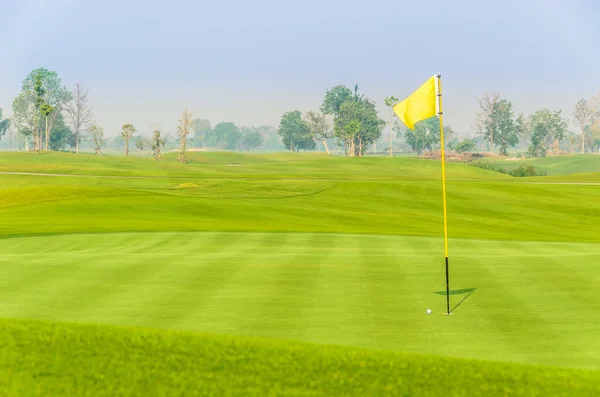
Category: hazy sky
[250,61]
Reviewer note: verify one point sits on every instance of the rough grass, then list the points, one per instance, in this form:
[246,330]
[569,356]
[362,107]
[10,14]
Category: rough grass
[40,359]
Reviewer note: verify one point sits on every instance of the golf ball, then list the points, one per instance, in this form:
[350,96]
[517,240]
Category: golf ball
[428,311]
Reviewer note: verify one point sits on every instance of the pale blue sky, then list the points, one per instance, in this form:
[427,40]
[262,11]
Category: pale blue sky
[250,61]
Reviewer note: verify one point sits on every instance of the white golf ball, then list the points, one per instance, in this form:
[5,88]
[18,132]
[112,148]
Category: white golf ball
[428,311]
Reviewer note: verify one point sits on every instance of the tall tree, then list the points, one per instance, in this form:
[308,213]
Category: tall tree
[548,128]
[4,124]
[183,130]
[50,97]
[79,114]
[356,122]
[319,128]
[157,143]
[221,133]
[582,115]
[504,125]
[25,116]
[484,123]
[390,101]
[127,132]
[295,133]
[98,140]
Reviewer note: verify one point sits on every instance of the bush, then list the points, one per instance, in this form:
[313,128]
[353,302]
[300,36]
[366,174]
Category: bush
[527,170]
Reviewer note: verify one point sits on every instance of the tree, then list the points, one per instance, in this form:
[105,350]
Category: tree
[295,133]
[448,133]
[424,136]
[25,116]
[139,143]
[98,140]
[127,133]
[251,139]
[183,130]
[220,134]
[4,124]
[484,123]
[390,101]
[504,126]
[79,114]
[157,144]
[61,135]
[202,129]
[232,138]
[49,96]
[319,128]
[356,122]
[548,128]
[582,115]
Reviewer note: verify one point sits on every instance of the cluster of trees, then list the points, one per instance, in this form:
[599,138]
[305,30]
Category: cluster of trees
[542,132]
[356,124]
[48,116]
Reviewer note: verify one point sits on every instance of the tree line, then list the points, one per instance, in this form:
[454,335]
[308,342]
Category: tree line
[48,116]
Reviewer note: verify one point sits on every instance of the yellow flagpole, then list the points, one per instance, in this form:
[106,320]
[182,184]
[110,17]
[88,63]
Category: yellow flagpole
[438,89]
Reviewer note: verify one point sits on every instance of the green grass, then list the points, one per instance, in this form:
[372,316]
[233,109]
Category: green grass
[310,248]
[557,165]
[54,359]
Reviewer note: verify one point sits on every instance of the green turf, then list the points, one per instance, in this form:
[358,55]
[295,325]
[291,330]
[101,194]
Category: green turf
[39,359]
[313,248]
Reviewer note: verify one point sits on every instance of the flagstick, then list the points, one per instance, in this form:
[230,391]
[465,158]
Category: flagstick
[438,86]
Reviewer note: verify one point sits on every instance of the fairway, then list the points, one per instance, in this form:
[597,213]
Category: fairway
[303,248]
[526,302]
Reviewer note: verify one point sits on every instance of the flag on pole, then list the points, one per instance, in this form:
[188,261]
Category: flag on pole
[420,105]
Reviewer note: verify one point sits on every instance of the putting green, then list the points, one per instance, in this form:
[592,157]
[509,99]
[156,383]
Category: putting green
[517,301]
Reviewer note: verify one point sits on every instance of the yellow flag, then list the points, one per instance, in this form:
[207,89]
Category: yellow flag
[420,105]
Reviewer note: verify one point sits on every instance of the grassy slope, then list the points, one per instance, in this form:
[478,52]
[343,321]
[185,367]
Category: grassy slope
[52,359]
[300,193]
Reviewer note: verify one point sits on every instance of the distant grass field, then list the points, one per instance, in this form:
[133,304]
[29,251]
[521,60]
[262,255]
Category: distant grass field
[558,165]
[308,248]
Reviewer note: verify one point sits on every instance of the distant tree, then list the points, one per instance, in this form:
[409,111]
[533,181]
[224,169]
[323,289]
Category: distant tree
[464,146]
[139,144]
[183,130]
[295,133]
[25,116]
[4,125]
[582,115]
[484,123]
[523,129]
[319,128]
[157,143]
[504,126]
[390,101]
[79,114]
[448,133]
[49,99]
[221,133]
[97,134]
[251,139]
[548,129]
[424,136]
[202,129]
[233,139]
[61,135]
[127,132]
